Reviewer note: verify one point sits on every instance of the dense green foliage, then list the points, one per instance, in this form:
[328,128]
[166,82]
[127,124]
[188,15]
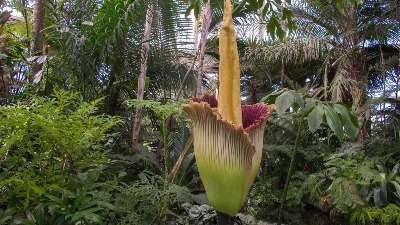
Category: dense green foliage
[331,149]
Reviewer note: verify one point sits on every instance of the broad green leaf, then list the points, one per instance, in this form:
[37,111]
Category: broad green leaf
[196,10]
[383,188]
[340,5]
[280,32]
[350,126]
[315,118]
[37,189]
[146,82]
[394,172]
[298,99]
[93,217]
[284,101]
[27,197]
[333,120]
[104,204]
[377,197]
[310,104]
[56,208]
[23,221]
[188,10]
[397,187]
[271,98]
[272,25]
[4,219]
[253,4]
[266,9]
[84,213]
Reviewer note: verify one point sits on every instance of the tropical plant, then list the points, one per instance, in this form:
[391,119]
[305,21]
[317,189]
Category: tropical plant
[338,58]
[149,200]
[388,187]
[372,215]
[84,199]
[337,116]
[45,140]
[7,215]
[163,112]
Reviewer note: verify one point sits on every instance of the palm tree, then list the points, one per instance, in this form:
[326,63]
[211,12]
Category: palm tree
[340,40]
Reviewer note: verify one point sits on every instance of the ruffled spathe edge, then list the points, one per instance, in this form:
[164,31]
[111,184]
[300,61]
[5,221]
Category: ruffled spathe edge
[252,115]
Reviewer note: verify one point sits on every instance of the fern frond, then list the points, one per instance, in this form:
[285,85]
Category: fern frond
[313,186]
[365,215]
[344,194]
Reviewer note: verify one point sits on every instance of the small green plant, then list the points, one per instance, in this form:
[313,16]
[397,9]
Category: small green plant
[7,215]
[85,199]
[44,140]
[39,216]
[388,188]
[150,200]
[338,186]
[177,161]
[372,215]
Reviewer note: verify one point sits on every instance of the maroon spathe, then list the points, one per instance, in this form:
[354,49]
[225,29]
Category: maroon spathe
[252,115]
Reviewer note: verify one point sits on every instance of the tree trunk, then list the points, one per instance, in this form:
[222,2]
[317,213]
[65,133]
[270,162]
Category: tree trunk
[37,36]
[143,71]
[204,33]
[261,28]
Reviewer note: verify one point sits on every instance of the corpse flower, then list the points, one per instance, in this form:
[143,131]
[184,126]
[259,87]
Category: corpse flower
[228,137]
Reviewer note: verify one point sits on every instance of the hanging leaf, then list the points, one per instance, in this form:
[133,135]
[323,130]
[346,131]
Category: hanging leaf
[350,126]
[315,118]
[253,5]
[310,104]
[340,5]
[272,25]
[334,122]
[298,99]
[284,101]
[271,98]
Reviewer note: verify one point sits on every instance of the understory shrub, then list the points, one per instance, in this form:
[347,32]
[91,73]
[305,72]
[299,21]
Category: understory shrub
[150,200]
[46,141]
[373,215]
